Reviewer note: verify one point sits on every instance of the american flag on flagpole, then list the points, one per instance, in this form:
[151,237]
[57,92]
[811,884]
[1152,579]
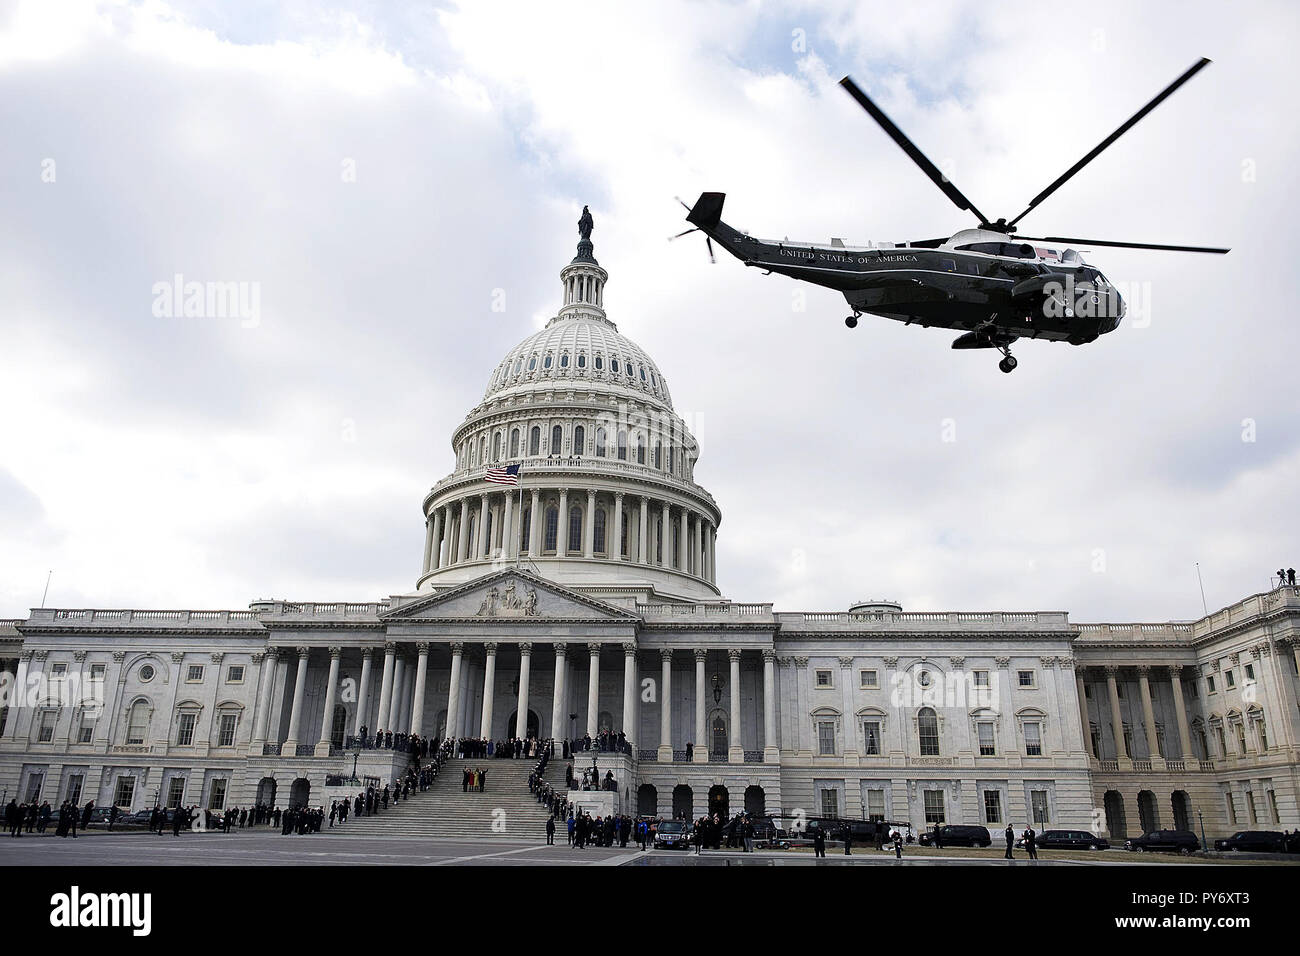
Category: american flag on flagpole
[509,475]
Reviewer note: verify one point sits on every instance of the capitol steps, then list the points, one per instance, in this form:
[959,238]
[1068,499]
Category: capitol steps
[444,811]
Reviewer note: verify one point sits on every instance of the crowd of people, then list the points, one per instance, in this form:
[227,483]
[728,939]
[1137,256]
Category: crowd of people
[37,818]
[604,742]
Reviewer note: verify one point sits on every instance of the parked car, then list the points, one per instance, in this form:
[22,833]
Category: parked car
[1169,841]
[1068,840]
[673,835]
[957,835]
[1254,841]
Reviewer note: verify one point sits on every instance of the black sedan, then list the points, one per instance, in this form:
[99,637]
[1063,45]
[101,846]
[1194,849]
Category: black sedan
[1068,840]
[1253,841]
[956,835]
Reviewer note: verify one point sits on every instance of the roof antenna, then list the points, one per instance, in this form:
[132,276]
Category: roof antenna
[1202,584]
[47,587]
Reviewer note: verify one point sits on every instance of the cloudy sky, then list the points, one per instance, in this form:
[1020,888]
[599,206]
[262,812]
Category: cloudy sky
[375,172]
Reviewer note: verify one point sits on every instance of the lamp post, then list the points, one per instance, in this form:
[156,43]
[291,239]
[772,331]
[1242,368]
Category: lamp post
[1201,816]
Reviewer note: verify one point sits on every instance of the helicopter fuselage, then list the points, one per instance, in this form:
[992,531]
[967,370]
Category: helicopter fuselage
[977,280]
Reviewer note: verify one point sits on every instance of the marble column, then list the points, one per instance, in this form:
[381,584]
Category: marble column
[771,751]
[643,552]
[701,754]
[482,533]
[593,691]
[525,666]
[614,549]
[589,525]
[331,695]
[1083,712]
[489,690]
[629,694]
[535,531]
[508,547]
[1148,714]
[295,712]
[665,540]
[395,705]
[363,693]
[1116,717]
[562,525]
[736,752]
[267,671]
[435,553]
[683,562]
[666,706]
[386,686]
[1180,712]
[559,718]
[428,541]
[462,533]
[453,692]
[417,698]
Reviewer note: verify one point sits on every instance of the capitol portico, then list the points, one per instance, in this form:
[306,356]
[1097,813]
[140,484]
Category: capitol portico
[584,598]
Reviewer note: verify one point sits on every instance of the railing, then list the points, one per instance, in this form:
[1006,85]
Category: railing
[1176,766]
[945,620]
[1108,766]
[718,756]
[929,761]
[1142,766]
[123,616]
[753,756]
[724,609]
[1207,765]
[651,756]
[681,756]
[313,609]
[533,466]
[304,750]
[270,750]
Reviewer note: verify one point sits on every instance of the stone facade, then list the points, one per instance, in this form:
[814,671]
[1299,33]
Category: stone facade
[586,599]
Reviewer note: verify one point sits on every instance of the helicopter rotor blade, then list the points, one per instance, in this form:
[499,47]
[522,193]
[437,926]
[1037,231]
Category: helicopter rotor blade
[712,258]
[930,169]
[1125,245]
[684,232]
[1129,124]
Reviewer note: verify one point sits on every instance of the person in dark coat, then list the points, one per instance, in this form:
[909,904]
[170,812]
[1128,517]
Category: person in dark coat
[819,843]
[550,830]
[1011,839]
[848,841]
[85,813]
[1030,846]
[898,845]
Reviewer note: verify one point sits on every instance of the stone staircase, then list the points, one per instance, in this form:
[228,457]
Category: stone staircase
[445,812]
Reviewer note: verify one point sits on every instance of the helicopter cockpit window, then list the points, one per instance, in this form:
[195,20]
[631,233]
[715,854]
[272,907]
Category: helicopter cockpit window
[949,265]
[1013,249]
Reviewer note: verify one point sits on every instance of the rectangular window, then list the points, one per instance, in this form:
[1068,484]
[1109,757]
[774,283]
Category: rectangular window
[75,783]
[35,783]
[1239,729]
[1229,680]
[46,732]
[217,796]
[826,738]
[1250,806]
[824,679]
[1262,733]
[985,730]
[1209,684]
[1038,806]
[876,805]
[235,674]
[1033,739]
[226,734]
[981,678]
[58,670]
[124,793]
[1232,807]
[175,792]
[97,671]
[86,732]
[992,806]
[185,730]
[871,736]
[830,803]
[1025,678]
[1223,743]
[1250,672]
[869,680]
[933,806]
[1272,806]
[194,674]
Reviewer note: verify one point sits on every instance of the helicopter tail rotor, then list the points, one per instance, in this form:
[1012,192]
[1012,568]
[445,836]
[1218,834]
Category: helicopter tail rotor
[704,215]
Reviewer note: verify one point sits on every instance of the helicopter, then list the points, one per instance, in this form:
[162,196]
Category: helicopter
[987,282]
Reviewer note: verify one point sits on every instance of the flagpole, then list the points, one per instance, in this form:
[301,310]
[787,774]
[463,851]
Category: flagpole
[519,545]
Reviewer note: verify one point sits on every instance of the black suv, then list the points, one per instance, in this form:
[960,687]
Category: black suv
[1067,840]
[1171,841]
[956,835]
[1254,841]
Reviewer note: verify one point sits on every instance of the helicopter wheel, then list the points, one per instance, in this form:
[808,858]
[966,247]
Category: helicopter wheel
[1008,364]
[851,321]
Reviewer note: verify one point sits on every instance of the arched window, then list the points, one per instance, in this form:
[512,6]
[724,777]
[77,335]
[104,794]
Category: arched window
[623,543]
[532,364]
[557,439]
[473,453]
[514,443]
[552,522]
[640,449]
[564,360]
[518,364]
[659,454]
[927,729]
[546,362]
[643,373]
[579,440]
[599,363]
[599,530]
[469,538]
[338,725]
[526,526]
[670,460]
[600,442]
[482,449]
[677,549]
[137,725]
[582,360]
[622,446]
[535,441]
[613,365]
[496,447]
[575,528]
[487,533]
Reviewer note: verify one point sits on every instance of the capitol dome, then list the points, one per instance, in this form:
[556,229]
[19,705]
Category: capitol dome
[606,500]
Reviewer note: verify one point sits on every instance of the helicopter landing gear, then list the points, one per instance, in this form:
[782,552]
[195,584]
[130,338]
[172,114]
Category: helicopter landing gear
[852,320]
[1008,363]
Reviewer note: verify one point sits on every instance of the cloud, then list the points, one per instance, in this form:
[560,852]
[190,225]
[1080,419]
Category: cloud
[198,462]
